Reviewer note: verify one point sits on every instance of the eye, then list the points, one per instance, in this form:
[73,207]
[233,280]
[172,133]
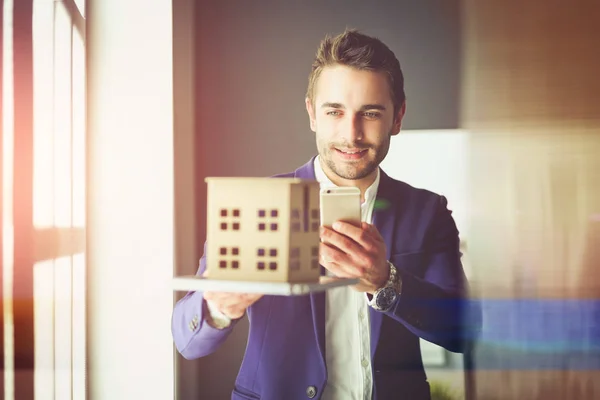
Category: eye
[333,113]
[372,115]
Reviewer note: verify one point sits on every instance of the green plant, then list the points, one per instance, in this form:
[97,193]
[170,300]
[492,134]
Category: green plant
[443,391]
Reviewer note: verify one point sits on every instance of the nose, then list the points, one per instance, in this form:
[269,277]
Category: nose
[353,131]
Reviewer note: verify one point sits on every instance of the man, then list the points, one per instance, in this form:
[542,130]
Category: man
[359,342]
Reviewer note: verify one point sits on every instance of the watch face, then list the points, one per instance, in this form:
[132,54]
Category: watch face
[386,298]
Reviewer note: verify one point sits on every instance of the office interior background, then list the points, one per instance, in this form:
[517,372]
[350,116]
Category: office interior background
[114,111]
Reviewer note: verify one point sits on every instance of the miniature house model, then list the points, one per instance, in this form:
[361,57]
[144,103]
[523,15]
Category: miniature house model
[263,229]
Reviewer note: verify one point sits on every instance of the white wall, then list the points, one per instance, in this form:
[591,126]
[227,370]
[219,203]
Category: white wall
[130,209]
[436,160]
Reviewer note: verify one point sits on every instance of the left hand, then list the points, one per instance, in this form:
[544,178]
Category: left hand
[352,252]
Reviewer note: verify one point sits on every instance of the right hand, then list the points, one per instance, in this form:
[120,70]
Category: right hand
[233,305]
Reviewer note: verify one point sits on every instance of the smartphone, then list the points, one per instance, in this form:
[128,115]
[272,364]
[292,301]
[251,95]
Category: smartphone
[340,204]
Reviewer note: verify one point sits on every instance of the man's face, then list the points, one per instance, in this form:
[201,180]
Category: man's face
[353,118]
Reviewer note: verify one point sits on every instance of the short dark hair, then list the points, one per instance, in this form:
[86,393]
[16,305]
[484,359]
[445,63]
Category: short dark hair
[354,49]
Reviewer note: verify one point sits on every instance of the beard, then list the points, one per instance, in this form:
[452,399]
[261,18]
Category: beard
[354,170]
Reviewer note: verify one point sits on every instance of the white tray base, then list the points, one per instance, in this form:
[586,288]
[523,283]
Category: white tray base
[196,283]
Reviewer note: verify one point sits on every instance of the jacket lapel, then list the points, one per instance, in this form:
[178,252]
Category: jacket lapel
[317,300]
[384,216]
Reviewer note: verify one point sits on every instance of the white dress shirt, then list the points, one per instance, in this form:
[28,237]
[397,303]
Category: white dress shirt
[347,325]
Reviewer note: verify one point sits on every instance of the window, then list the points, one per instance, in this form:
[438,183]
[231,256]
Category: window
[267,256]
[315,220]
[294,258]
[232,261]
[270,221]
[314,257]
[230,219]
[55,153]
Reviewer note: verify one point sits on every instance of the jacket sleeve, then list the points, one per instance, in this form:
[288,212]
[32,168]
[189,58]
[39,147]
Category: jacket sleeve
[436,305]
[193,337]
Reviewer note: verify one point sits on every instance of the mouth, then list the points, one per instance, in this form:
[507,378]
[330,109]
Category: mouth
[351,154]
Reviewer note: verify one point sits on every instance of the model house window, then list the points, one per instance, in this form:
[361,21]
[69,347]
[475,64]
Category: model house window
[232,260]
[269,221]
[233,251]
[314,263]
[230,219]
[315,220]
[295,258]
[267,257]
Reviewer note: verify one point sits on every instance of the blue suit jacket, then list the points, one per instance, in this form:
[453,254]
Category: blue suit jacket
[285,354]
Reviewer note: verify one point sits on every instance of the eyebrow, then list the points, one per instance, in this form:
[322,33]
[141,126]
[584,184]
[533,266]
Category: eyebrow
[363,108]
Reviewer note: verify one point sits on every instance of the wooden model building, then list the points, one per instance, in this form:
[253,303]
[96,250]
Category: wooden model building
[263,229]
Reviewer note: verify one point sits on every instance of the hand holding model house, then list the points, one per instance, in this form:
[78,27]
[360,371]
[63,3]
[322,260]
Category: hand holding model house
[260,230]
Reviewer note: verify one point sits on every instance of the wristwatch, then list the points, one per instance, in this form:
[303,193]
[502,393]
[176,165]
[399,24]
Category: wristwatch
[385,297]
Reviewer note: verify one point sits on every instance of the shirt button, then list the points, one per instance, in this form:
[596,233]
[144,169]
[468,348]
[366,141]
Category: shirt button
[311,392]
[365,363]
[361,315]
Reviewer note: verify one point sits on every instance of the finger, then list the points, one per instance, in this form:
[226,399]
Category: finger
[372,229]
[337,270]
[332,254]
[233,312]
[338,263]
[361,236]
[339,241]
[222,298]
[244,300]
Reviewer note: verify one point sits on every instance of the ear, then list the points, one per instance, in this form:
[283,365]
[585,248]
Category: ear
[398,119]
[311,114]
